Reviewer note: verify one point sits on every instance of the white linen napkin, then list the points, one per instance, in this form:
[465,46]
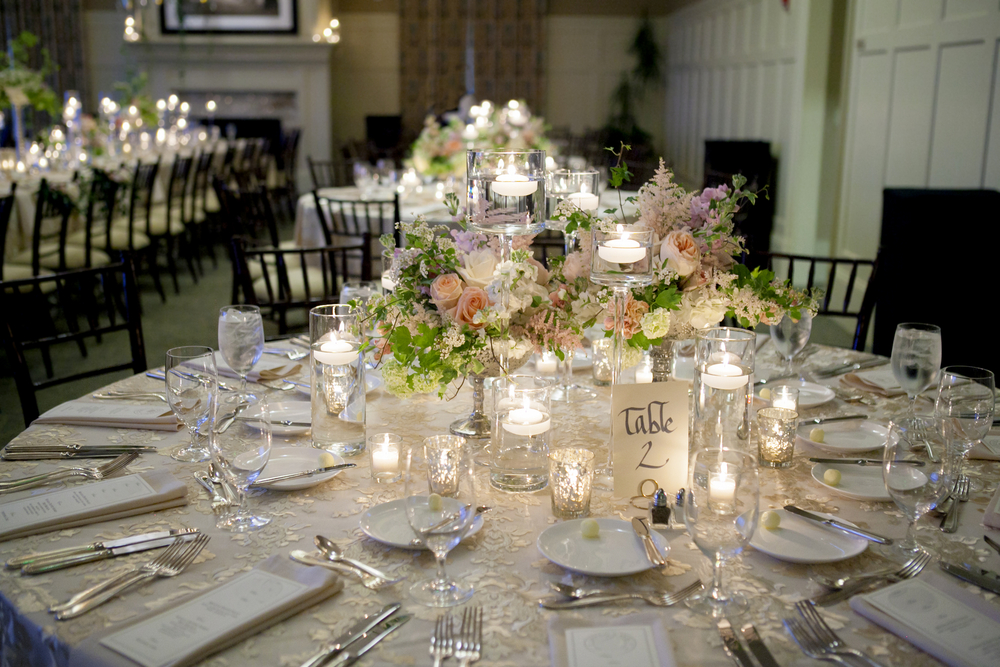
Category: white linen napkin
[988,449]
[991,518]
[876,380]
[192,628]
[267,370]
[937,615]
[639,640]
[113,414]
[84,504]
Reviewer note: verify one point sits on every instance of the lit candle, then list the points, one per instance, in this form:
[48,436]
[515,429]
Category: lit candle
[526,421]
[621,251]
[585,201]
[643,376]
[385,459]
[725,375]
[722,486]
[514,185]
[470,133]
[546,365]
[387,283]
[336,353]
[785,397]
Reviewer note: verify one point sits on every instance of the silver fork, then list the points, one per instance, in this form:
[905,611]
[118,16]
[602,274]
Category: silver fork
[289,354]
[657,599]
[829,640]
[115,395]
[98,473]
[469,643]
[910,569]
[174,566]
[949,524]
[808,642]
[442,643]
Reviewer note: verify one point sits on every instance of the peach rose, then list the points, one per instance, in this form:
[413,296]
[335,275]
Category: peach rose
[473,300]
[543,273]
[445,291]
[680,251]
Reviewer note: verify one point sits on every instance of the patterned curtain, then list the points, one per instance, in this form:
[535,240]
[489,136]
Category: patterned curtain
[509,54]
[58,24]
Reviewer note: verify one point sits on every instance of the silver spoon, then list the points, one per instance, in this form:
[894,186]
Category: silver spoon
[367,580]
[216,477]
[330,550]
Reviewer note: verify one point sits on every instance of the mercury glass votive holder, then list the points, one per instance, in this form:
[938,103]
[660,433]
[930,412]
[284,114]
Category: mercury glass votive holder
[571,476]
[785,397]
[776,436]
[384,453]
[444,463]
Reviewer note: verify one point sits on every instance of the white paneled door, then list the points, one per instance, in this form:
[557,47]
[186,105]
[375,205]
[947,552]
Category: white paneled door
[923,107]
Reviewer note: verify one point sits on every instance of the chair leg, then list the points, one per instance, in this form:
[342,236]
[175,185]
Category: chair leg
[172,263]
[186,249]
[152,258]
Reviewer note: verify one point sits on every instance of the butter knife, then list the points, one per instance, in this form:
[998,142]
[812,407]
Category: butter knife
[652,553]
[985,579]
[865,462]
[732,646]
[373,637]
[839,525]
[757,646]
[21,561]
[354,633]
[827,420]
[302,473]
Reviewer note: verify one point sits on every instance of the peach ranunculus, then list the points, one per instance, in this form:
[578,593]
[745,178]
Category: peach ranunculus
[680,250]
[445,291]
[473,300]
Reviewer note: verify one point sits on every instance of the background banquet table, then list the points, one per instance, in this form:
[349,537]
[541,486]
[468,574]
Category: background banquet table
[502,560]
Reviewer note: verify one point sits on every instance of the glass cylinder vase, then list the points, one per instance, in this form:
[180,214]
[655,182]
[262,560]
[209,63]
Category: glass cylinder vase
[337,374]
[522,433]
[723,388]
[506,191]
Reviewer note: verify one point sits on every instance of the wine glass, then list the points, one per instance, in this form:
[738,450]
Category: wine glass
[919,468]
[916,360]
[191,384]
[364,177]
[966,398]
[439,488]
[241,445]
[789,337]
[241,340]
[720,511]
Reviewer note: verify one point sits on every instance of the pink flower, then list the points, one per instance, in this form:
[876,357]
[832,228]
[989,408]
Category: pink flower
[445,291]
[634,310]
[681,253]
[543,273]
[473,300]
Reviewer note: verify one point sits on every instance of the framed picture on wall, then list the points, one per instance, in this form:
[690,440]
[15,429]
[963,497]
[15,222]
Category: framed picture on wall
[229,16]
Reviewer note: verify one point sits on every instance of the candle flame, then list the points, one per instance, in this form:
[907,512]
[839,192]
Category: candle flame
[620,229]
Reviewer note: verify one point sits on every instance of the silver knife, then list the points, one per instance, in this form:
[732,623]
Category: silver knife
[865,462]
[757,646]
[849,368]
[374,636]
[732,645]
[354,633]
[992,543]
[49,564]
[98,547]
[303,473]
[985,579]
[652,553]
[827,420]
[839,525]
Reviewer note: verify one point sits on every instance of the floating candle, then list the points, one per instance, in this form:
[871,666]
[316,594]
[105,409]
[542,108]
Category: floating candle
[514,185]
[336,352]
[526,421]
[584,201]
[643,376]
[621,251]
[725,376]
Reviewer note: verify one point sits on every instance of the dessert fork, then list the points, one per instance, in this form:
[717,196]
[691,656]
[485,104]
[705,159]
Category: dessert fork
[442,642]
[97,473]
[910,569]
[829,642]
[949,524]
[657,599]
[469,642]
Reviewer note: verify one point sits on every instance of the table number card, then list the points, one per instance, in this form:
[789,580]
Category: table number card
[650,435]
[67,502]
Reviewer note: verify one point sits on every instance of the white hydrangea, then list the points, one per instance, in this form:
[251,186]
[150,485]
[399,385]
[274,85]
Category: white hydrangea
[656,323]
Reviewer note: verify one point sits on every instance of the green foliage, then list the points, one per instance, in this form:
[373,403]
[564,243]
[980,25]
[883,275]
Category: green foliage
[19,83]
[132,92]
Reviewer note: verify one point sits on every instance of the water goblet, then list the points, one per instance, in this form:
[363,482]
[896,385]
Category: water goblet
[790,337]
[191,384]
[241,340]
[241,446]
[440,493]
[966,398]
[916,360]
[917,476]
[720,511]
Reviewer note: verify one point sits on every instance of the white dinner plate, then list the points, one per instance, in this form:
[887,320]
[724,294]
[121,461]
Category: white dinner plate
[856,482]
[798,540]
[295,411]
[372,382]
[386,523]
[615,552]
[285,460]
[848,437]
[811,394]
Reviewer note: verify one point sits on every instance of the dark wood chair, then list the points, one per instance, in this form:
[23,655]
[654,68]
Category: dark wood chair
[130,230]
[838,278]
[113,291]
[330,173]
[361,220]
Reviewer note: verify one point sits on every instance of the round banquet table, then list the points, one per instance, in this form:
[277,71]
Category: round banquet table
[502,561]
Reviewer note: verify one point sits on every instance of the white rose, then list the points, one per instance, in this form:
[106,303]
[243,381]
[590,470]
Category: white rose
[479,267]
[707,313]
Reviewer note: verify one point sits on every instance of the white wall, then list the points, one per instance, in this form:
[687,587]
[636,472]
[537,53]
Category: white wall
[924,107]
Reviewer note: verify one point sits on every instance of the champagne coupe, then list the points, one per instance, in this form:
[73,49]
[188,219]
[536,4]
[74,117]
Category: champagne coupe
[241,445]
[919,477]
[966,398]
[720,511]
[439,488]
[789,337]
[916,360]
[191,384]
[241,340]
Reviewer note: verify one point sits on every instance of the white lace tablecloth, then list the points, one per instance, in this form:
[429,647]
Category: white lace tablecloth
[502,561]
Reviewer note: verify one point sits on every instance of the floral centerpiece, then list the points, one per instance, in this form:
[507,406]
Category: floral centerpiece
[22,86]
[440,150]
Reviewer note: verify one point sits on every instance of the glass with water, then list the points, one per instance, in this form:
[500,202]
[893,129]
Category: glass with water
[522,433]
[337,380]
[241,340]
[916,358]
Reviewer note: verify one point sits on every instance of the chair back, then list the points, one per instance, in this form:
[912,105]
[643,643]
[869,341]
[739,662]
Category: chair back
[329,173]
[52,212]
[202,175]
[6,210]
[140,200]
[91,303]
[360,220]
[100,211]
[290,157]
[177,188]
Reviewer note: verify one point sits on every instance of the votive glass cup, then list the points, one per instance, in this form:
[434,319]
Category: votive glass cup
[444,463]
[571,477]
[384,454]
[776,437]
[786,397]
[602,362]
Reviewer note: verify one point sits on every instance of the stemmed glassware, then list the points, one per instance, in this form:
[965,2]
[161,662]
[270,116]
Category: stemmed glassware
[966,398]
[191,386]
[916,360]
[241,446]
[720,511]
[790,337]
[241,340]
[918,477]
[440,493]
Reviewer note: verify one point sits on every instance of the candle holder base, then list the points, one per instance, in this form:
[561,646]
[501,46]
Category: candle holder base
[474,426]
[573,393]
